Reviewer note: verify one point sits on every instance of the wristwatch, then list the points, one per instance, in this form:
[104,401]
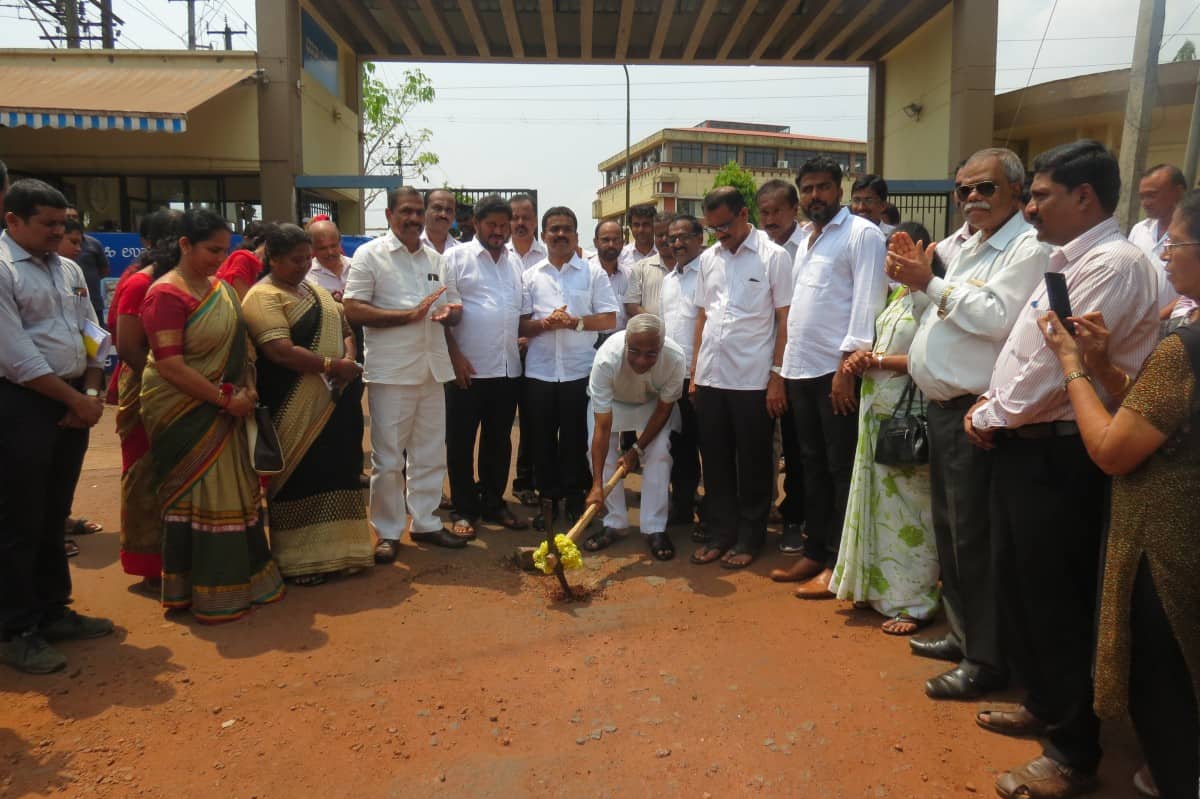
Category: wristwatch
[777,370]
[579,325]
[636,448]
[92,392]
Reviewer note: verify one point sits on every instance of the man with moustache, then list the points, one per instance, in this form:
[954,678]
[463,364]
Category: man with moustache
[778,208]
[566,302]
[741,300]
[481,401]
[396,290]
[440,207]
[971,311]
[1160,190]
[868,199]
[608,241]
[641,226]
[645,278]
[528,250]
[49,399]
[840,287]
[685,237]
[1048,498]
[330,266]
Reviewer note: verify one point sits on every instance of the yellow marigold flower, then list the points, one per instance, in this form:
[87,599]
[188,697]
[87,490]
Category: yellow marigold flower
[568,553]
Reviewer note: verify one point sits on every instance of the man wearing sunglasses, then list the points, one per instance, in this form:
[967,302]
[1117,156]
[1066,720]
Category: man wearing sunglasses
[958,340]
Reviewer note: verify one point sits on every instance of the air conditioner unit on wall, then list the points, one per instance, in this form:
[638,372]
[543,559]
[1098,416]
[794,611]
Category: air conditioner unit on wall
[782,165]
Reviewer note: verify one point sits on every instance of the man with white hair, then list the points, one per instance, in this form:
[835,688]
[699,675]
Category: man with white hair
[636,379]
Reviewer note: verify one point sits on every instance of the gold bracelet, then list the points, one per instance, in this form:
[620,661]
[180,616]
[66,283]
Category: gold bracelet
[1128,385]
[1074,376]
[941,311]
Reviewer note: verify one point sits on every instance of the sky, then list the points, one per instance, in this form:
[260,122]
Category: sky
[547,127]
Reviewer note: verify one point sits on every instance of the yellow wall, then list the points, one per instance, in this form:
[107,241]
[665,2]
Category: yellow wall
[330,131]
[918,71]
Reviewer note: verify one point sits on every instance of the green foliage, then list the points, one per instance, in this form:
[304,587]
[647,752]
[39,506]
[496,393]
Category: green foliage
[384,108]
[1187,52]
[733,175]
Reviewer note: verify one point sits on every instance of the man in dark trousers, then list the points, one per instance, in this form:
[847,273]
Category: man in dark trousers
[50,397]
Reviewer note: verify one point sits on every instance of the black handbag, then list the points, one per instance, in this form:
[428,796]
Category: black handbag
[903,438]
[266,454]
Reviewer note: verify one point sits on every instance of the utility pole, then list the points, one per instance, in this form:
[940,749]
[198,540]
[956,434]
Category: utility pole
[227,33]
[68,14]
[108,37]
[191,23]
[1143,94]
[1193,142]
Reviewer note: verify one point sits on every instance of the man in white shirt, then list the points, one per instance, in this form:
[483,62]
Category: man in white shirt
[481,401]
[958,339]
[329,266]
[396,290]
[641,226]
[608,239]
[525,247]
[1048,498]
[566,302]
[840,288]
[636,379]
[741,300]
[869,199]
[440,208]
[1160,190]
[778,211]
[645,278]
[685,237]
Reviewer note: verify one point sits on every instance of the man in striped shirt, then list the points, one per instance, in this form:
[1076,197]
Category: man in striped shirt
[1048,498]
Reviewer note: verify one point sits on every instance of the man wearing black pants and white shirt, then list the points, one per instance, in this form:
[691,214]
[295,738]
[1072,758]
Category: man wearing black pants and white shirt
[741,297]
[49,399]
[839,289]
[971,311]
[482,398]
[685,236]
[566,302]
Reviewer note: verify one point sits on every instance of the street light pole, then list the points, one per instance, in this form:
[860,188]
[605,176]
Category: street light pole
[628,165]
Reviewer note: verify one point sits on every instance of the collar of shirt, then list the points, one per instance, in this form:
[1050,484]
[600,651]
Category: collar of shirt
[998,241]
[630,250]
[1076,248]
[394,243]
[19,253]
[750,243]
[451,242]
[691,266]
[536,246]
[622,269]
[963,233]
[797,237]
[575,263]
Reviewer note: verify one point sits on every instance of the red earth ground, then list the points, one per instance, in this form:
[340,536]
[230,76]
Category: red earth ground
[452,674]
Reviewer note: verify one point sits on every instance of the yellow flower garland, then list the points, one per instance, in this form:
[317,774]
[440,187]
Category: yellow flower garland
[568,553]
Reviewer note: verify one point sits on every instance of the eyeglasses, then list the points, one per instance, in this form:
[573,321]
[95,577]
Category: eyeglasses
[1168,249]
[713,230]
[680,237]
[866,202]
[986,188]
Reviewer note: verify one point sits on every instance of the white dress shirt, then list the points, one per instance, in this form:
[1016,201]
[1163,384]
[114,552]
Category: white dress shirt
[645,284]
[491,294]
[1104,273]
[948,247]
[451,242]
[385,274]
[794,241]
[631,398]
[318,275]
[630,255]
[678,312]
[558,356]
[535,254]
[740,292]
[989,282]
[44,306]
[840,287]
[619,280]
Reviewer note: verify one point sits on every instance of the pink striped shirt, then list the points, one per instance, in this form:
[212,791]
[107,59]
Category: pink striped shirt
[1104,273]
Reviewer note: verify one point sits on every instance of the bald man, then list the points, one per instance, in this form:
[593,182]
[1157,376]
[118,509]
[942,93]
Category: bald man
[329,265]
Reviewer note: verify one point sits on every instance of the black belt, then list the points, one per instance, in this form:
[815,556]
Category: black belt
[961,401]
[1041,430]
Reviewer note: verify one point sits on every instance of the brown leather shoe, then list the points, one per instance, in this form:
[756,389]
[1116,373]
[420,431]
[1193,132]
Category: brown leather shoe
[1044,778]
[804,569]
[1019,723]
[817,587]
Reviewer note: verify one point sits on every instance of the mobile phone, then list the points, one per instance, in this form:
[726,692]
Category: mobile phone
[1060,300]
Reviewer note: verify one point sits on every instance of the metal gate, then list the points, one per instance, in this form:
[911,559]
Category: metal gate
[926,201]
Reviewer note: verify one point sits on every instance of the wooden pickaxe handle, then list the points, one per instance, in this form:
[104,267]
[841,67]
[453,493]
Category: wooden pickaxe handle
[591,510]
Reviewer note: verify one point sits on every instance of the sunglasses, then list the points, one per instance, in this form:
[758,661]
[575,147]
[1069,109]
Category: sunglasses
[986,188]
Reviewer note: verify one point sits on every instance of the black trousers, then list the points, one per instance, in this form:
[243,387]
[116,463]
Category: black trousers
[523,479]
[735,442]
[486,407]
[826,442]
[685,458]
[558,418]
[41,464]
[791,507]
[1162,697]
[1047,508]
[960,478]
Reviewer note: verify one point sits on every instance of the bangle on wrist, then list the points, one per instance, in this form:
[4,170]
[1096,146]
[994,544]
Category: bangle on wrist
[1075,376]
[328,364]
[224,394]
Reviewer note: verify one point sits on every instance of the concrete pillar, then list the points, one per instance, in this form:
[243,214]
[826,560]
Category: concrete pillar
[875,116]
[1139,107]
[972,78]
[279,144]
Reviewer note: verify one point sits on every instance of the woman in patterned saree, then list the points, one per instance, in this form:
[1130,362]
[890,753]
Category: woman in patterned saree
[308,377]
[141,526]
[197,389]
[888,558]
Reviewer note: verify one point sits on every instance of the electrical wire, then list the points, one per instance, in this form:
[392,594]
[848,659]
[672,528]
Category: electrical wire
[161,23]
[1029,80]
[1188,19]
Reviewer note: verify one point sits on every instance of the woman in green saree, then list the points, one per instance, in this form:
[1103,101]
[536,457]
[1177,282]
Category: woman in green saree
[307,376]
[197,389]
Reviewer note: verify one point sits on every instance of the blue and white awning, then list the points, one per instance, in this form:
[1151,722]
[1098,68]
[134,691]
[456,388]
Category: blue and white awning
[40,119]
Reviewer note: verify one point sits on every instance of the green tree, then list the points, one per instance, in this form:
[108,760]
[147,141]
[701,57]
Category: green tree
[733,175]
[385,134]
[1187,52]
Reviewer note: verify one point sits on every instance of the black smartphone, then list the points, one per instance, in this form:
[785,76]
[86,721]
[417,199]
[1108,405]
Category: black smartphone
[1060,300]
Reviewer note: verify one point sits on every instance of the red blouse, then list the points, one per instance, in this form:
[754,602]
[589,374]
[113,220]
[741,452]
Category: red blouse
[241,265]
[164,316]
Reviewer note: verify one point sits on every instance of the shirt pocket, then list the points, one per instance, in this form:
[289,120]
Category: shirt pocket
[749,292]
[579,301]
[815,272]
[75,303]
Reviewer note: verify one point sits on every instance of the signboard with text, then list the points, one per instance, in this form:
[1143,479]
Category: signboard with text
[319,53]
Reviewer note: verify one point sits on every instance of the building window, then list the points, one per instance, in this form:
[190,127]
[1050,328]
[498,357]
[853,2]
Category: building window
[721,154]
[665,187]
[686,152]
[842,159]
[762,157]
[797,157]
[689,207]
[858,163]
